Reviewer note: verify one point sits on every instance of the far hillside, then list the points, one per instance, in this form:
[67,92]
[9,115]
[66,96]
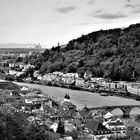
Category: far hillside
[113,54]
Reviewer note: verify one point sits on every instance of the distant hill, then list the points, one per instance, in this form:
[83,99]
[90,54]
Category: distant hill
[14,45]
[113,53]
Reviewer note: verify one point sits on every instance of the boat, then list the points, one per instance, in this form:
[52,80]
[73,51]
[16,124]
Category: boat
[103,94]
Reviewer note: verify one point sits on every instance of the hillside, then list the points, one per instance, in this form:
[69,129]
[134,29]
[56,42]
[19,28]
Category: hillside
[113,54]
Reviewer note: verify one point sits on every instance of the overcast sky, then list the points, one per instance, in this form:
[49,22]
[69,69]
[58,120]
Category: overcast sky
[51,21]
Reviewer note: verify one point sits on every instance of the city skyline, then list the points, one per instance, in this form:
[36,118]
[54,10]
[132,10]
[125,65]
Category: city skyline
[51,21]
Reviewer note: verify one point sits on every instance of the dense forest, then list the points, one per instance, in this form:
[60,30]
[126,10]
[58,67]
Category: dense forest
[113,54]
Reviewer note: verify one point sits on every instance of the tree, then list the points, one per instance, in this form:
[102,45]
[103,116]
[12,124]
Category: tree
[72,67]
[37,65]
[60,128]
[30,72]
[10,129]
[81,63]
[132,134]
[35,132]
[74,134]
[137,119]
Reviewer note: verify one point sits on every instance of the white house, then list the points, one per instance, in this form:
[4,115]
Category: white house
[80,82]
[116,126]
[54,127]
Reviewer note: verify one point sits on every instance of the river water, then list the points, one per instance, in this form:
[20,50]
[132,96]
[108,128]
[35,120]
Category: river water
[82,98]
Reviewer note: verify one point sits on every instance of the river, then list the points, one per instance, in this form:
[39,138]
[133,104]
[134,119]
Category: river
[82,98]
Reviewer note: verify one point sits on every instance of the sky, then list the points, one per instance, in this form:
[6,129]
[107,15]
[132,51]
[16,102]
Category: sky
[51,21]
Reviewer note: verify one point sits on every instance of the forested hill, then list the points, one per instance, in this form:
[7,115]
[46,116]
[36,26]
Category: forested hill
[113,53]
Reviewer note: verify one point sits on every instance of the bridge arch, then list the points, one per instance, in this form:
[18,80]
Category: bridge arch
[135,111]
[124,109]
[117,112]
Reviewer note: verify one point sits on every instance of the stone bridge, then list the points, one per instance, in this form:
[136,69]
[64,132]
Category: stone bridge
[125,109]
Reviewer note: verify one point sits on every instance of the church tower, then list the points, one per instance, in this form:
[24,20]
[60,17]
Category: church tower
[67,98]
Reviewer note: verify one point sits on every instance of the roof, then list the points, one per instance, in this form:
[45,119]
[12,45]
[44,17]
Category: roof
[83,112]
[75,122]
[47,108]
[101,112]
[31,94]
[66,113]
[68,104]
[115,123]
[96,127]
[76,115]
[99,118]
[115,118]
[69,127]
[108,115]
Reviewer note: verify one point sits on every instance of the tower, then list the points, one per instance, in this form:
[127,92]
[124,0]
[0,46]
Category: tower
[67,98]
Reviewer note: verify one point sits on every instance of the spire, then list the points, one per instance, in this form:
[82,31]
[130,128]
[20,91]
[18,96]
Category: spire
[67,97]
[85,108]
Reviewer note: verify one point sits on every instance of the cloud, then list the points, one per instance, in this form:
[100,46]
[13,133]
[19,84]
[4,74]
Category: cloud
[99,11]
[131,6]
[110,16]
[136,11]
[66,10]
[91,2]
[3,24]
[128,0]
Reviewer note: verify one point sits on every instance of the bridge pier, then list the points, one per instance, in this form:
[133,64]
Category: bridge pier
[126,111]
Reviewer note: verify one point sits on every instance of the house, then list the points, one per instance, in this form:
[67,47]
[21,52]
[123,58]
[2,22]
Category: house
[68,80]
[54,127]
[87,75]
[12,72]
[24,88]
[66,114]
[79,82]
[36,73]
[69,127]
[85,115]
[68,105]
[116,126]
[19,73]
[33,119]
[107,115]
[22,55]
[39,77]
[95,128]
[75,122]
[100,113]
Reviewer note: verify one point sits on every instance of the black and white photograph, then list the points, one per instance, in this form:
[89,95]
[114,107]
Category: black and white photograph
[69,69]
